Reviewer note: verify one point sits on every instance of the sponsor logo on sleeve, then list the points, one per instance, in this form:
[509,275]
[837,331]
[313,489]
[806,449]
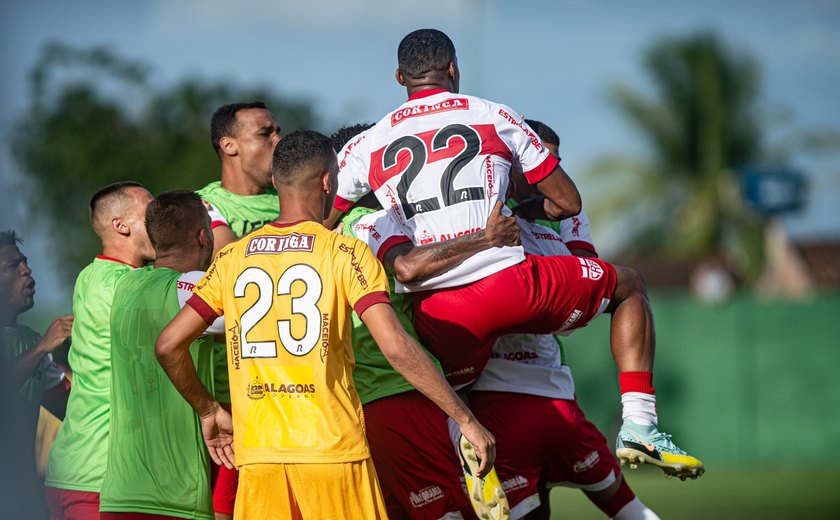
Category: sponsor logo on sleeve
[185,285]
[535,141]
[423,110]
[370,228]
[276,244]
[575,226]
[234,345]
[354,262]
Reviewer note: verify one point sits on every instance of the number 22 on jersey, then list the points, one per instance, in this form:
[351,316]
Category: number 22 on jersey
[258,338]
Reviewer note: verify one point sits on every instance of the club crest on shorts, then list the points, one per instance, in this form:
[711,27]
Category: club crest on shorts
[590,268]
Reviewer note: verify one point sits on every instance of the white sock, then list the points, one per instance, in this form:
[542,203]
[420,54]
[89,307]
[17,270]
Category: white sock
[639,408]
[636,510]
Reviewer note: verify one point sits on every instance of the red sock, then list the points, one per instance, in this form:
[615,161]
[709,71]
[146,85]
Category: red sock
[636,382]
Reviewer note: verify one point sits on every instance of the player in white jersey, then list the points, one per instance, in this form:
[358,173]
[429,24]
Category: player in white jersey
[438,164]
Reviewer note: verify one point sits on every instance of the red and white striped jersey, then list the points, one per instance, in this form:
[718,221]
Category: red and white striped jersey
[438,164]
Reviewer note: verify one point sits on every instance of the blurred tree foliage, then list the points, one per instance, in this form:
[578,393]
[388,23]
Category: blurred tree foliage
[95,119]
[701,123]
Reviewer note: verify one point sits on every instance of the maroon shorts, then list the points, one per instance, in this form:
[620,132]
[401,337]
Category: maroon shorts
[416,462]
[540,295]
[224,491]
[539,439]
[67,504]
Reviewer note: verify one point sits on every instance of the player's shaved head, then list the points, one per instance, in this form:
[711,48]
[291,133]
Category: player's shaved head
[112,200]
[545,132]
[425,52]
[224,122]
[301,158]
[172,216]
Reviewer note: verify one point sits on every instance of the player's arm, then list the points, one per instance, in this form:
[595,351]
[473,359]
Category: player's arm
[412,264]
[222,236]
[172,351]
[332,220]
[562,199]
[22,366]
[409,359]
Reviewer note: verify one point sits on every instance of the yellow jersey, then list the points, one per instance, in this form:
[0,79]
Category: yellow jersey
[287,292]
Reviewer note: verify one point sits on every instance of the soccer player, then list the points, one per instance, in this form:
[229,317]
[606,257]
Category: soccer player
[77,461]
[29,379]
[288,288]
[244,136]
[438,164]
[157,461]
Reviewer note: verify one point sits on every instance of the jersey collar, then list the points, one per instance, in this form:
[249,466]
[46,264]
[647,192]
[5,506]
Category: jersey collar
[426,93]
[111,259]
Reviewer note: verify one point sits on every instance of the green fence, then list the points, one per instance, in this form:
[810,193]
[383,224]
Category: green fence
[746,381]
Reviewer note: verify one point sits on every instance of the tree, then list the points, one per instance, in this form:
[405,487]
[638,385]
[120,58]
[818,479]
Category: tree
[83,131]
[702,124]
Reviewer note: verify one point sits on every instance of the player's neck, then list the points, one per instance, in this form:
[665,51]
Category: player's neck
[183,262]
[295,209]
[8,318]
[236,181]
[122,252]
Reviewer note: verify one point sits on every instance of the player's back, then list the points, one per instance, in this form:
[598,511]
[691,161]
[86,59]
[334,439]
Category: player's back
[438,164]
[286,292]
[157,460]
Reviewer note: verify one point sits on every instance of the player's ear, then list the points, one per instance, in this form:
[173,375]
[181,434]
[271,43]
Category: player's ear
[228,146]
[326,181]
[120,226]
[400,79]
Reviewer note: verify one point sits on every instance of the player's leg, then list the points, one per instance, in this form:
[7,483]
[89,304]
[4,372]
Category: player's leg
[632,340]
[520,423]
[417,467]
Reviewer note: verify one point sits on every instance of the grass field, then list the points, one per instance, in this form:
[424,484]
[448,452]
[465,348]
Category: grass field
[730,494]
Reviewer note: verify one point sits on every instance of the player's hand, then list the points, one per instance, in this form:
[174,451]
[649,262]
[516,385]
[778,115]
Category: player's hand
[57,333]
[217,428]
[501,230]
[484,444]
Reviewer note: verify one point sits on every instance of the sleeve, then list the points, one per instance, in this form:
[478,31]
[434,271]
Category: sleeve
[186,285]
[362,275]
[207,294]
[536,162]
[380,232]
[353,167]
[51,375]
[216,217]
[576,234]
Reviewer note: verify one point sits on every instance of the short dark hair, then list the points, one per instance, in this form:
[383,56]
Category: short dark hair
[170,215]
[223,122]
[544,132]
[10,238]
[424,51]
[300,156]
[105,193]
[344,134]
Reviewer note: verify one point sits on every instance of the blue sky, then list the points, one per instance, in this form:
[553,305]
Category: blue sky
[552,61]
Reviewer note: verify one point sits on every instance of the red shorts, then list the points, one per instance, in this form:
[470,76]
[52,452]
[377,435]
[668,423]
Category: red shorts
[224,491]
[134,516]
[67,504]
[539,439]
[540,295]
[416,462]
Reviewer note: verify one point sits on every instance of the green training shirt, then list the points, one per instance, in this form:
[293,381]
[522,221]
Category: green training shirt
[77,459]
[157,460]
[244,214]
[374,376]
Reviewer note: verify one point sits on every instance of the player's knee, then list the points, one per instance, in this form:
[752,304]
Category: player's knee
[629,283]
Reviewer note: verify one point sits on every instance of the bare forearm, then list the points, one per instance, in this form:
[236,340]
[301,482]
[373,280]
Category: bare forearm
[22,367]
[430,260]
[414,364]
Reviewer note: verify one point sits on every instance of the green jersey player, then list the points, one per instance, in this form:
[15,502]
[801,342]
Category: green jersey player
[77,461]
[157,463]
